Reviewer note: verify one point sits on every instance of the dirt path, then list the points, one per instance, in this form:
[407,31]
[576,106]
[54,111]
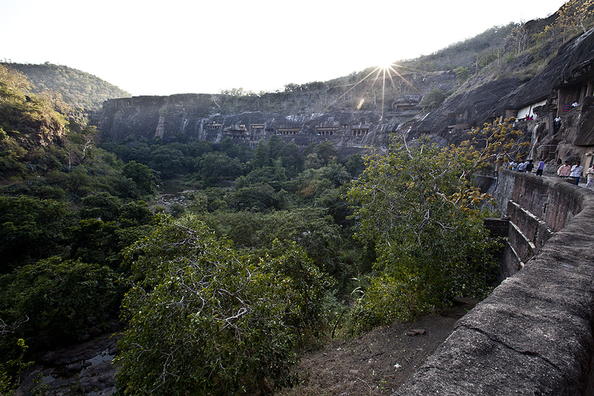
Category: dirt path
[375,363]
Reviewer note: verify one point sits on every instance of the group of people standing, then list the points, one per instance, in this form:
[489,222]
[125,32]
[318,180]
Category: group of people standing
[527,166]
[574,173]
[571,172]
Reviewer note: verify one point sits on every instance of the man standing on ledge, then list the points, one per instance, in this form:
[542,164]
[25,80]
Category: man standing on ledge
[540,168]
[576,173]
[529,166]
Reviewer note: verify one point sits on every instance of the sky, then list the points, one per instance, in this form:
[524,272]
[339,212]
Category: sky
[165,47]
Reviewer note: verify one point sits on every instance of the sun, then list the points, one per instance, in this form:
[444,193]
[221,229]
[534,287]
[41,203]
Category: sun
[385,65]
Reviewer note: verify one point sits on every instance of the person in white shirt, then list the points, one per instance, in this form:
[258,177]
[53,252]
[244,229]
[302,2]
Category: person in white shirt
[576,173]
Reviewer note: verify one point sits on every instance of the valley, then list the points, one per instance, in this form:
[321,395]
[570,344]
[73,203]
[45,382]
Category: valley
[328,238]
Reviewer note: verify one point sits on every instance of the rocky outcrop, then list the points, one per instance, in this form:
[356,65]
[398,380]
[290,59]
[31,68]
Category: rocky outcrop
[568,65]
[585,124]
[84,369]
[348,113]
[533,334]
[484,101]
[461,111]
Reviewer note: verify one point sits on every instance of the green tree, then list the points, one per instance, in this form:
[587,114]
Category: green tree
[96,241]
[275,147]
[102,206]
[326,152]
[256,197]
[262,155]
[292,158]
[416,206]
[355,165]
[142,175]
[168,161]
[206,320]
[217,167]
[31,228]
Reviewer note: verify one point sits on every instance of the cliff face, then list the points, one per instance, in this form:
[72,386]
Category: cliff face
[462,111]
[568,65]
[199,117]
[355,115]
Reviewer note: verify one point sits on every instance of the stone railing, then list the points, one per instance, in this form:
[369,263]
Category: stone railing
[533,334]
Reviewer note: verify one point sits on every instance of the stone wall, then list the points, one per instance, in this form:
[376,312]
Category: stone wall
[535,211]
[533,334]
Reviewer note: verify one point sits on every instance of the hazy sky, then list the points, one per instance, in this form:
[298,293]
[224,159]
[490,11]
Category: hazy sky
[175,46]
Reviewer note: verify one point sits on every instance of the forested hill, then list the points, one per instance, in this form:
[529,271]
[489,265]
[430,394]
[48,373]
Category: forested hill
[77,88]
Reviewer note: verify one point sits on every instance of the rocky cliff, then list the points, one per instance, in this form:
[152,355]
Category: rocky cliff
[351,116]
[517,82]
[198,117]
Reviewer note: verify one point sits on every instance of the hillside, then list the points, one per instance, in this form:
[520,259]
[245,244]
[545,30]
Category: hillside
[77,88]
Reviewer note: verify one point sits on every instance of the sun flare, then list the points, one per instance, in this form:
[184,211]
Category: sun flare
[386,65]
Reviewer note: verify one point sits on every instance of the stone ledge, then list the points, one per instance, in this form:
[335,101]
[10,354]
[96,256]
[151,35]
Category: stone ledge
[533,334]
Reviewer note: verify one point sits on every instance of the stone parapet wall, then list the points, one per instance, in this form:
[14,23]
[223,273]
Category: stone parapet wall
[533,334]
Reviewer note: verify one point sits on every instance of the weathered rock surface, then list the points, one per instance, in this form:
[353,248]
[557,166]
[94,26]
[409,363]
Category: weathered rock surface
[472,107]
[466,109]
[567,65]
[196,116]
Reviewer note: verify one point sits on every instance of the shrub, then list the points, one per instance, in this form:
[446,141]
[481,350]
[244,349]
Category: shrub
[142,175]
[62,299]
[433,99]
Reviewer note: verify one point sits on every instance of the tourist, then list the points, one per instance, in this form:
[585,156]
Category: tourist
[590,176]
[540,168]
[576,173]
[529,166]
[556,124]
[522,166]
[513,165]
[564,170]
